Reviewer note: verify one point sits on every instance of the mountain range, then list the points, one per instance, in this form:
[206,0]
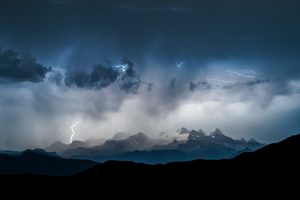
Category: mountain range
[182,146]
[276,163]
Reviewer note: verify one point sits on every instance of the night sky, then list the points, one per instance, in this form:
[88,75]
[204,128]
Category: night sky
[150,66]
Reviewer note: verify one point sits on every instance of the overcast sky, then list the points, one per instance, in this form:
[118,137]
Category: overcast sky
[150,66]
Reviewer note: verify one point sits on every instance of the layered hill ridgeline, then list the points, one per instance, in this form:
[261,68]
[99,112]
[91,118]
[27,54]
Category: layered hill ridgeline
[273,163]
[40,162]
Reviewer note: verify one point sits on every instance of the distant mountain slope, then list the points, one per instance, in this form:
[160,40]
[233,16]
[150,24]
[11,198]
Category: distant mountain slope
[41,162]
[138,141]
[61,147]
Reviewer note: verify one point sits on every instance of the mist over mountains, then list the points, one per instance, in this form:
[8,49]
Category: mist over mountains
[182,146]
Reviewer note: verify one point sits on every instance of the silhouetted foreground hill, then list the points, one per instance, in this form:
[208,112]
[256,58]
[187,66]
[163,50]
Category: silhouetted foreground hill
[41,162]
[277,163]
[270,164]
[286,150]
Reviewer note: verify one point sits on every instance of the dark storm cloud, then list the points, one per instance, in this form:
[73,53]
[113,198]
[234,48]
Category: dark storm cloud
[13,67]
[99,77]
[103,76]
[155,8]
[252,30]
[130,81]
[62,2]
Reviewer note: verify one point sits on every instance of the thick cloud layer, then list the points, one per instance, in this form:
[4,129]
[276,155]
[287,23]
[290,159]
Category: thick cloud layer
[194,63]
[42,113]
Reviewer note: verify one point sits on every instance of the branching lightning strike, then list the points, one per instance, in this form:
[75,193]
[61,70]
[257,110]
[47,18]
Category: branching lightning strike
[72,129]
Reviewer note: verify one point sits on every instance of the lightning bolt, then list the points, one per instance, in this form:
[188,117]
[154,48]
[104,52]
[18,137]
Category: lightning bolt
[179,65]
[72,129]
[246,74]
[123,68]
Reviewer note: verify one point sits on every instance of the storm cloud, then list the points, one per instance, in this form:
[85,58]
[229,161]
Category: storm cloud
[130,81]
[101,76]
[240,68]
[13,67]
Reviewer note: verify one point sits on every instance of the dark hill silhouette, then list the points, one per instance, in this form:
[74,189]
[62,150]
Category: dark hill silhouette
[271,164]
[41,162]
[286,150]
[277,163]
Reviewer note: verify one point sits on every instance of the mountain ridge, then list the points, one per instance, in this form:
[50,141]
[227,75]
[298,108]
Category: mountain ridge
[196,145]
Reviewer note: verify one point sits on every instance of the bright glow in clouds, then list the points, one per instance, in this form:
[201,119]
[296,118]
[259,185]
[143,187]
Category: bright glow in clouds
[73,131]
[121,67]
[242,73]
